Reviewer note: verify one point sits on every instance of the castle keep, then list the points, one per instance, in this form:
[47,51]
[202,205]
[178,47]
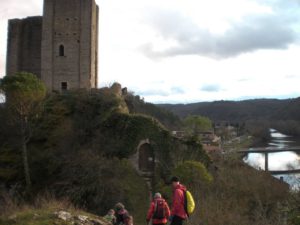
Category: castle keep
[60,47]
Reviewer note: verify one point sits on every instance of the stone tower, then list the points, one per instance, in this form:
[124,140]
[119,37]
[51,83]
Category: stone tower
[69,44]
[24,45]
[60,47]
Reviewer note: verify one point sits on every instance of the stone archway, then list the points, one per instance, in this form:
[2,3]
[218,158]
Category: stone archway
[144,162]
[146,159]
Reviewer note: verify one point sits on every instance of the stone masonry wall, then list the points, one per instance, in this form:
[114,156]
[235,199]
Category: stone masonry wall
[70,25]
[24,45]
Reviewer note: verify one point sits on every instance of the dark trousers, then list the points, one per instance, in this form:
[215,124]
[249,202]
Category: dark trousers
[177,221]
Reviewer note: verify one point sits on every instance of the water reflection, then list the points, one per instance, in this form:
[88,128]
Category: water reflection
[279,160]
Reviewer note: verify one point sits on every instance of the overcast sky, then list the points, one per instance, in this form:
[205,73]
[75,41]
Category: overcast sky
[182,51]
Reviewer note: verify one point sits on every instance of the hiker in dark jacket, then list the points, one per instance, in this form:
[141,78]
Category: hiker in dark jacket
[122,215]
[158,211]
[178,213]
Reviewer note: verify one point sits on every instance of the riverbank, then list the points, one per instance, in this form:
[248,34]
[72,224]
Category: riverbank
[237,143]
[281,160]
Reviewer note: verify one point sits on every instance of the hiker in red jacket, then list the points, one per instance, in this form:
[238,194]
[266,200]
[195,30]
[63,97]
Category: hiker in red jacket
[159,211]
[178,213]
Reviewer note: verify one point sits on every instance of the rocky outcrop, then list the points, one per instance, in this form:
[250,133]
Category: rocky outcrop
[80,219]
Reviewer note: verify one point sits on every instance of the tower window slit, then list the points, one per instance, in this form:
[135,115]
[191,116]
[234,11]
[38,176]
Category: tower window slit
[64,86]
[61,50]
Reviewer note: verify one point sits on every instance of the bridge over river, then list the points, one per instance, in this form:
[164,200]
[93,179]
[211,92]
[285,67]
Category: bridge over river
[266,151]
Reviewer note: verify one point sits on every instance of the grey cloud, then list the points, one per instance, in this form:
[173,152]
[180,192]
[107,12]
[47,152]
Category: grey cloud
[280,4]
[160,92]
[291,76]
[211,88]
[177,90]
[272,31]
[244,80]
[13,9]
[151,92]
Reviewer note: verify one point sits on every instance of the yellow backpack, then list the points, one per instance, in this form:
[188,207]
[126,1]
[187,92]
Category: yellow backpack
[189,203]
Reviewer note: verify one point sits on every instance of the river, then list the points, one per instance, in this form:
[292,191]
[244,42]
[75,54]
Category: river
[280,160]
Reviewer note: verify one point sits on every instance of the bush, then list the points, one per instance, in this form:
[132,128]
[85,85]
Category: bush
[193,174]
[97,184]
[240,195]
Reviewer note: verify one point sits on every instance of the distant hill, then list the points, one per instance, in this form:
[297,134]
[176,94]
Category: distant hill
[235,111]
[290,111]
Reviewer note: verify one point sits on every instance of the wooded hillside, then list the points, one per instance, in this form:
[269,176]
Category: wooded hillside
[236,111]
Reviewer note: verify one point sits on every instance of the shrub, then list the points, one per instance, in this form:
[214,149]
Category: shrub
[193,173]
[97,184]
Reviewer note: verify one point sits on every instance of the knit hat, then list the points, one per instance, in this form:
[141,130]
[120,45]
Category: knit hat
[174,179]
[157,195]
[119,206]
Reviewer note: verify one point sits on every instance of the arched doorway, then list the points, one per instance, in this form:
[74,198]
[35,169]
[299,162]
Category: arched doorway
[146,158]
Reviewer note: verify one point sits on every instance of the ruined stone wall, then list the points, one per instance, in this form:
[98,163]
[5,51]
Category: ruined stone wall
[69,45]
[24,45]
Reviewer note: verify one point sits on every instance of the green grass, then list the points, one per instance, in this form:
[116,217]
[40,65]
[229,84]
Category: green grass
[238,145]
[32,217]
[43,214]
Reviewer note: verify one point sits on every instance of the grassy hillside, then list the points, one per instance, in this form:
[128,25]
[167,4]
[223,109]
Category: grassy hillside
[46,213]
[80,148]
